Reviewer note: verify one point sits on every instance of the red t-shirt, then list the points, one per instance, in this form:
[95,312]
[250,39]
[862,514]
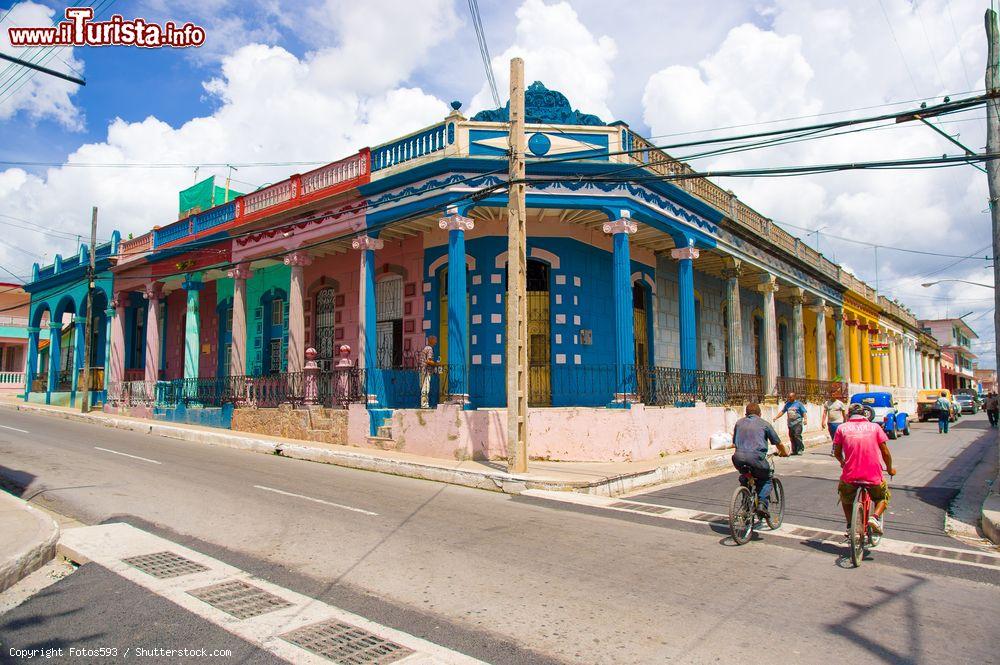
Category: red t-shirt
[860,441]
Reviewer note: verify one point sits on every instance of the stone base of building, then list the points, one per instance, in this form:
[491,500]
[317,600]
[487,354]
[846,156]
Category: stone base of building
[307,424]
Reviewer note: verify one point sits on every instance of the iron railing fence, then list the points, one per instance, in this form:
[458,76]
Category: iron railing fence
[64,381]
[810,389]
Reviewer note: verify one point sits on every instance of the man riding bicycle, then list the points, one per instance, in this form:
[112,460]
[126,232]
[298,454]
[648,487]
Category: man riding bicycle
[751,436]
[861,448]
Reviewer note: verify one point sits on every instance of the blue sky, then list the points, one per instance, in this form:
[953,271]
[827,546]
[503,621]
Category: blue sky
[318,79]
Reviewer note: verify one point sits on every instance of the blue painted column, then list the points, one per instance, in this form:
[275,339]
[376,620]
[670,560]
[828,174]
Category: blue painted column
[79,333]
[685,257]
[621,287]
[31,367]
[192,326]
[367,342]
[55,342]
[458,315]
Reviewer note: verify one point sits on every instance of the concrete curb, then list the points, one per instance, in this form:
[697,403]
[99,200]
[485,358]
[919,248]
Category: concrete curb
[36,553]
[495,481]
[991,510]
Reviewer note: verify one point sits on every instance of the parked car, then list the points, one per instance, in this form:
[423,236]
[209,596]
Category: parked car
[967,404]
[927,408]
[879,408]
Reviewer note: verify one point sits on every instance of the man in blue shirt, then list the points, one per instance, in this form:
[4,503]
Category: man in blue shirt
[751,436]
[796,412]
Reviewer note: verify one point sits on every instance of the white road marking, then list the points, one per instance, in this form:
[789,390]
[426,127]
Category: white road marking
[107,544]
[115,452]
[988,560]
[309,498]
[22,431]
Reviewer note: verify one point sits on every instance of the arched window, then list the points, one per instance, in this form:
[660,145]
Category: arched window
[325,318]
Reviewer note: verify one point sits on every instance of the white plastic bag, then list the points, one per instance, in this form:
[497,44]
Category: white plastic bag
[721,441]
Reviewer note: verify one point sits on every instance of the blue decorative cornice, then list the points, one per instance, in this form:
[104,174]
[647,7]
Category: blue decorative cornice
[542,106]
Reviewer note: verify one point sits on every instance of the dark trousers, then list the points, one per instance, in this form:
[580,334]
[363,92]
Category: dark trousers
[942,424]
[993,415]
[759,469]
[795,434]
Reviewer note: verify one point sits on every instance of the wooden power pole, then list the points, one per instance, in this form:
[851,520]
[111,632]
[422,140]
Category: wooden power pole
[993,166]
[517,299]
[88,333]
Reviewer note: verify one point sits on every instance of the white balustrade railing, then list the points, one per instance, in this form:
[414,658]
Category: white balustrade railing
[8,379]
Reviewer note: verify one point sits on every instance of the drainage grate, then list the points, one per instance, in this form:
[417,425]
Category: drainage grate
[812,533]
[971,557]
[240,599]
[164,565]
[641,507]
[346,644]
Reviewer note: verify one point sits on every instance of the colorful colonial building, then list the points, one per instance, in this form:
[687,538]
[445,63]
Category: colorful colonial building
[656,307]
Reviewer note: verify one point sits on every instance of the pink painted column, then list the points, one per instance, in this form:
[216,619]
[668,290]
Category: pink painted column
[238,359]
[117,366]
[296,310]
[153,293]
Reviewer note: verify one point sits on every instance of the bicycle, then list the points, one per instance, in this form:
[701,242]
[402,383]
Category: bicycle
[743,517]
[861,531]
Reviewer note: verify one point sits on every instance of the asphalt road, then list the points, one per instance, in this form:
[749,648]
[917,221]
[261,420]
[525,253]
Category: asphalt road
[507,580]
[931,469]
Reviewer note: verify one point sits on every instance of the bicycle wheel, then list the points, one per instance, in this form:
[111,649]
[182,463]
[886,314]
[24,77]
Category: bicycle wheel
[741,515]
[858,531]
[776,507]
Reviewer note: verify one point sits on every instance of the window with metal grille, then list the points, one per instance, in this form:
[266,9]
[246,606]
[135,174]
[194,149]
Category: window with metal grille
[389,321]
[325,320]
[229,319]
[274,354]
[277,311]
[227,359]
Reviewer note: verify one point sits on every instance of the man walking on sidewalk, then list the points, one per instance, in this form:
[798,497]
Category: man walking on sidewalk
[796,412]
[943,406]
[993,407]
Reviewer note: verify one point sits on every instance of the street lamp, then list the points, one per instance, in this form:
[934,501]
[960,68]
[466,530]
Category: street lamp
[985,286]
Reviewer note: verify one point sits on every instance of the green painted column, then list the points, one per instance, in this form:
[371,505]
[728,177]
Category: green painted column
[192,330]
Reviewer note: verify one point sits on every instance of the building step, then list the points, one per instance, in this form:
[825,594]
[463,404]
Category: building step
[384,432]
[381,442]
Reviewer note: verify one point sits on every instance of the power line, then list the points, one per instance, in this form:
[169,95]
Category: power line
[958,43]
[484,49]
[898,47]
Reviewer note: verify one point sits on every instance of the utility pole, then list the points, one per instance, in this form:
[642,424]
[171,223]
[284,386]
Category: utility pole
[992,166]
[88,333]
[517,309]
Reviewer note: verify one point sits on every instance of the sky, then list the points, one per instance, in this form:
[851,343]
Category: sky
[315,80]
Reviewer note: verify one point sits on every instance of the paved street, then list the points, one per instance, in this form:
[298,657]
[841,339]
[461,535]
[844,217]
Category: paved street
[509,579]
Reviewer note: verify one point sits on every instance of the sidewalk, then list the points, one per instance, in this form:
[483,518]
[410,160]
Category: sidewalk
[605,478]
[991,509]
[28,542]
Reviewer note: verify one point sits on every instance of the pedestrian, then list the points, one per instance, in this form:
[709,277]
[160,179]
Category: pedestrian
[426,364]
[834,413]
[993,407]
[796,413]
[943,406]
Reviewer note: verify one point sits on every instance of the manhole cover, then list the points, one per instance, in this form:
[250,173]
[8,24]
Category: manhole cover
[240,599]
[164,565]
[346,644]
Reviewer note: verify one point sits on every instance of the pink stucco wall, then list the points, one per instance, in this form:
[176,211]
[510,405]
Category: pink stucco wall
[570,434]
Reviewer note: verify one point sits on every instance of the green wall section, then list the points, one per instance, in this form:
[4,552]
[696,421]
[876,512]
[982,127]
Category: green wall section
[264,283]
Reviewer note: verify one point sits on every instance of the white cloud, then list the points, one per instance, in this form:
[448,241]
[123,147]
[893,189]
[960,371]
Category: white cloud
[813,61]
[559,50]
[24,90]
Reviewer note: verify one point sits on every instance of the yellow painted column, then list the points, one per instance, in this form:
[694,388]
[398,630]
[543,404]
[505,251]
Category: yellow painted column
[866,353]
[855,351]
[873,336]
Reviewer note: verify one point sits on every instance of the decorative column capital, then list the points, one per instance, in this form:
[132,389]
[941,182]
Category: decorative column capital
[767,284]
[79,320]
[821,309]
[797,297]
[153,291]
[192,282]
[851,322]
[34,330]
[240,271]
[623,224]
[732,267]
[452,221]
[298,259]
[683,253]
[55,325]
[365,243]
[863,327]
